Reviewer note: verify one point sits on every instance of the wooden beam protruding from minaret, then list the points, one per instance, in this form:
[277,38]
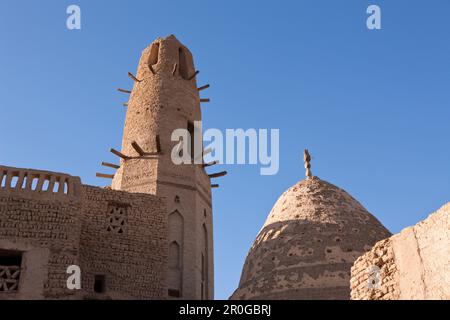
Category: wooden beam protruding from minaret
[204,153]
[214,186]
[218,174]
[141,151]
[103,175]
[138,149]
[307,160]
[123,90]
[125,104]
[119,154]
[133,77]
[206,86]
[111,165]
[194,75]
[205,100]
[210,164]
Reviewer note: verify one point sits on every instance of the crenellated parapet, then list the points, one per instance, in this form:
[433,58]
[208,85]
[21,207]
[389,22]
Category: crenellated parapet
[39,182]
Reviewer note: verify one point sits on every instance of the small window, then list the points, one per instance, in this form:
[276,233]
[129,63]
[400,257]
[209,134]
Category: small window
[117,215]
[34,183]
[24,184]
[154,52]
[14,181]
[191,130]
[3,182]
[10,267]
[46,185]
[56,187]
[99,283]
[183,69]
[174,293]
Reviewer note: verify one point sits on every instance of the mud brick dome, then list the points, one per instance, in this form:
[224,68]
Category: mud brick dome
[308,244]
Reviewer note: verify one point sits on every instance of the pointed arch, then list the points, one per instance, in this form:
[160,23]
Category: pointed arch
[176,244]
[204,264]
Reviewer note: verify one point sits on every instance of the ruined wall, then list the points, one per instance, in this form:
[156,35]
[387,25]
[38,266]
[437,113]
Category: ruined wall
[375,274]
[39,226]
[124,239]
[414,263]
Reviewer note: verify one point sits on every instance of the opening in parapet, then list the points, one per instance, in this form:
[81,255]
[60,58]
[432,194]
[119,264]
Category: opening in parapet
[3,182]
[56,187]
[24,183]
[14,181]
[184,70]
[154,53]
[46,185]
[34,183]
[19,180]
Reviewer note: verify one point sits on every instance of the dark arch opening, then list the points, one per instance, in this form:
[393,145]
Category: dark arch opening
[154,53]
[183,64]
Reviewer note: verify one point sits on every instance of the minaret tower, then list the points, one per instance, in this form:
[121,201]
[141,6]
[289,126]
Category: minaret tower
[164,98]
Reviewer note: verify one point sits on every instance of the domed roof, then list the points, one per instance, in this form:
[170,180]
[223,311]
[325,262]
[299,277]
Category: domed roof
[308,244]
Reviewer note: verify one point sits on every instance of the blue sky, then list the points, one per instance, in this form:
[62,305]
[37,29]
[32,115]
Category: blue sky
[371,106]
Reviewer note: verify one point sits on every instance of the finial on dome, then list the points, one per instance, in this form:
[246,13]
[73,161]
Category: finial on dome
[307,160]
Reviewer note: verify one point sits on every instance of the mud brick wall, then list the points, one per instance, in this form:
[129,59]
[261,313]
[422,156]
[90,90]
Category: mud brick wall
[44,227]
[366,284]
[167,99]
[124,239]
[414,263]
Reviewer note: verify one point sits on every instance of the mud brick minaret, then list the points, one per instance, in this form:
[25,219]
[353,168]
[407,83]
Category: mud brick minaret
[165,97]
